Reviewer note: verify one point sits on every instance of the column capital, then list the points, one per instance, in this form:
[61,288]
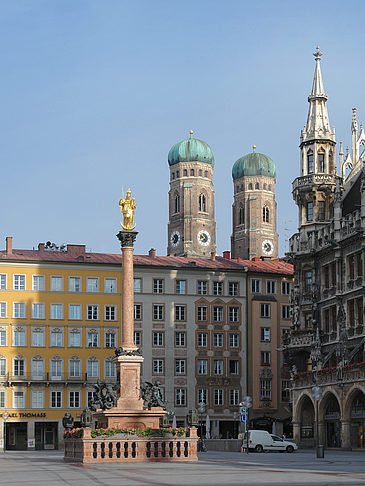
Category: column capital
[127,238]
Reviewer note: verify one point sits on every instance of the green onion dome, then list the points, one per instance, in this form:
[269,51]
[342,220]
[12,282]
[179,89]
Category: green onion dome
[191,150]
[254,164]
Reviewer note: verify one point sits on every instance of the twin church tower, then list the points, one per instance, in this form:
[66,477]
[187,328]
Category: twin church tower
[192,227]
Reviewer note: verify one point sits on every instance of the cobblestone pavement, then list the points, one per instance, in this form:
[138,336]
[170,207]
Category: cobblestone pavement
[46,468]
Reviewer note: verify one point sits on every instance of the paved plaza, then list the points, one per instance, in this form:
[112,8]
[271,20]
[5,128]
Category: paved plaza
[214,468]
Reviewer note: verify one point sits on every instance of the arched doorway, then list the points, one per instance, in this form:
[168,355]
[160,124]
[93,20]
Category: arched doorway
[357,418]
[306,418]
[332,415]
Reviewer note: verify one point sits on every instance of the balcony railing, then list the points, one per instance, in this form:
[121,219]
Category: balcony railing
[48,377]
[349,373]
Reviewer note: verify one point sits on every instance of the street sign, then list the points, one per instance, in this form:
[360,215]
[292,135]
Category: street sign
[243,411]
[244,417]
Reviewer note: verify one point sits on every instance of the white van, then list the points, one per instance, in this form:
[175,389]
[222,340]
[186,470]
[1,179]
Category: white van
[261,440]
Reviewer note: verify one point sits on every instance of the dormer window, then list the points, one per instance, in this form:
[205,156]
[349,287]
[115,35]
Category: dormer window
[310,163]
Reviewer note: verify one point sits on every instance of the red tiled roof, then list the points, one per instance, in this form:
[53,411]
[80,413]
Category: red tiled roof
[268,266]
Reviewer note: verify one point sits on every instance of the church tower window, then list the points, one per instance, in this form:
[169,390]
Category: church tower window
[321,216]
[257,185]
[310,163]
[202,205]
[265,214]
[185,173]
[200,173]
[264,187]
[191,172]
[177,203]
[310,211]
[241,215]
[321,162]
[250,187]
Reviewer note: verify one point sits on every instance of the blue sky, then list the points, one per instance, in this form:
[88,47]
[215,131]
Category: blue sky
[94,94]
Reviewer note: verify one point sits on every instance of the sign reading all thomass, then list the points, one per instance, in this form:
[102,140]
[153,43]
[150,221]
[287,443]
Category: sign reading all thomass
[25,415]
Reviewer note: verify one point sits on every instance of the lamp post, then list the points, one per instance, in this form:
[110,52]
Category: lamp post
[247,403]
[5,418]
[201,410]
[235,428]
[317,395]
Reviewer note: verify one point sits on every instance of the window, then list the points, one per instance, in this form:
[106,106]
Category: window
[265,310]
[185,172]
[74,399]
[92,284]
[234,367]
[157,366]
[234,314]
[271,286]
[285,390]
[180,312]
[37,398]
[56,283]
[310,163]
[218,397]
[157,338]
[18,367]
[218,340]
[202,287]
[191,172]
[218,313]
[202,366]
[3,310]
[233,289]
[19,338]
[285,288]
[75,339]
[110,340]
[265,358]
[200,173]
[180,397]
[2,338]
[74,368]
[217,288]
[310,211]
[38,282]
[257,185]
[177,204]
[202,339]
[202,203]
[321,215]
[110,312]
[308,280]
[109,368]
[234,397]
[56,311]
[255,286]
[91,395]
[56,368]
[19,282]
[180,339]
[2,399]
[74,311]
[110,285]
[234,340]
[241,215]
[285,311]
[205,173]
[202,312]
[180,366]
[250,187]
[177,173]
[3,281]
[93,312]
[265,214]
[158,312]
[137,285]
[18,399]
[137,312]
[157,286]
[38,337]
[265,334]
[37,311]
[92,339]
[37,369]
[56,399]
[265,389]
[56,338]
[92,368]
[19,310]
[320,162]
[2,367]
[180,286]
[218,367]
[137,338]
[74,284]
[203,396]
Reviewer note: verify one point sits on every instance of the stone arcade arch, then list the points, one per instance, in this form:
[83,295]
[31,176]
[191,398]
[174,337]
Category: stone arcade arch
[354,418]
[304,418]
[330,419]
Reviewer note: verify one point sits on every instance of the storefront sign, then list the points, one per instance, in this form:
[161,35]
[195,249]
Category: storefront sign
[25,415]
[31,443]
[332,416]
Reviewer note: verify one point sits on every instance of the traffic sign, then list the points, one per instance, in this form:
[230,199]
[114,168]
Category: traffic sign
[244,417]
[243,410]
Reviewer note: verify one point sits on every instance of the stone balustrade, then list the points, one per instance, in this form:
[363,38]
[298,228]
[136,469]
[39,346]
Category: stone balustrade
[130,449]
[301,340]
[331,376]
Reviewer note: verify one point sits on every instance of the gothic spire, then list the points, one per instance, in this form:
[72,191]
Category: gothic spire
[318,125]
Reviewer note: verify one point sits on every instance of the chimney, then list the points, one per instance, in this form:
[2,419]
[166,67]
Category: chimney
[9,245]
[76,249]
[40,246]
[227,255]
[152,252]
[212,255]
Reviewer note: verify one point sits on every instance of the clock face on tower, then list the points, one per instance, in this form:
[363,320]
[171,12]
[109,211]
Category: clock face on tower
[267,247]
[204,237]
[175,238]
